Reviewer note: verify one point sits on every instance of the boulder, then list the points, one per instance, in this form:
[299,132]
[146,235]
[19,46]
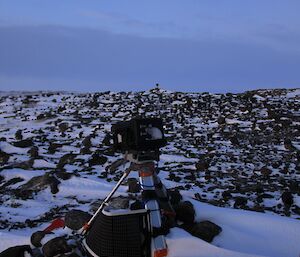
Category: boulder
[75,219]
[204,230]
[185,212]
[175,196]
[287,198]
[97,159]
[240,202]
[37,237]
[4,157]
[16,251]
[38,183]
[55,246]
[23,143]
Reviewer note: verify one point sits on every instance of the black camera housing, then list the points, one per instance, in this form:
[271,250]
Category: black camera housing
[138,134]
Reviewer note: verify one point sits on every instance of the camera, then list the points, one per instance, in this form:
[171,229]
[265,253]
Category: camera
[138,135]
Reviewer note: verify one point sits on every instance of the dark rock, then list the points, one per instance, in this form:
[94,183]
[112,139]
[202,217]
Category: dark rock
[265,171]
[287,198]
[133,185]
[221,120]
[4,157]
[63,127]
[106,140]
[34,152]
[137,205]
[63,174]
[11,182]
[66,159]
[226,195]
[75,219]
[16,251]
[204,230]
[37,237]
[202,165]
[175,196]
[19,135]
[56,246]
[97,159]
[240,202]
[185,212]
[53,147]
[87,142]
[23,143]
[115,165]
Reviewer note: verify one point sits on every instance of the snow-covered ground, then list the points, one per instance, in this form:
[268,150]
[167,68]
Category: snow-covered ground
[235,153]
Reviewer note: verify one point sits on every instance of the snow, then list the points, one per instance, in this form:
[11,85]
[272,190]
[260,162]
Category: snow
[244,233]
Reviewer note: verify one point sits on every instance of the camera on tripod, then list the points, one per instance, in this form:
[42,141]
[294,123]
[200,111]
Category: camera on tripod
[139,137]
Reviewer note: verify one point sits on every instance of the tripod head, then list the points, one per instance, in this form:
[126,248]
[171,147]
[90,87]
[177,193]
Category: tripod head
[139,139]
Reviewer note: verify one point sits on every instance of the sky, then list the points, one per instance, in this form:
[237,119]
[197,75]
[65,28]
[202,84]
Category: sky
[130,45]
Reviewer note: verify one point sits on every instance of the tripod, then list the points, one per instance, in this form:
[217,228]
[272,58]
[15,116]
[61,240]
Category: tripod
[155,197]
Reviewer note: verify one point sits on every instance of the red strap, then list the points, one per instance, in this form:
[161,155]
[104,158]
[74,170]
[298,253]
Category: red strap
[57,223]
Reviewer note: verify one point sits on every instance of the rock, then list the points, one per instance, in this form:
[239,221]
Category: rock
[56,246]
[133,185]
[11,182]
[37,237]
[175,196]
[119,203]
[240,202]
[202,165]
[115,165]
[16,251]
[4,157]
[23,143]
[204,230]
[53,147]
[63,174]
[226,195]
[65,159]
[39,183]
[265,171]
[63,127]
[221,120]
[97,159]
[137,205]
[34,152]
[287,198]
[75,219]
[185,212]
[19,135]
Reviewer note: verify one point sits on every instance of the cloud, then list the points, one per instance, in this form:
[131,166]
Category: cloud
[71,58]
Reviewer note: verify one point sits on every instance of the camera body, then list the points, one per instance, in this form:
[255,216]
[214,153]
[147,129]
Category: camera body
[138,135]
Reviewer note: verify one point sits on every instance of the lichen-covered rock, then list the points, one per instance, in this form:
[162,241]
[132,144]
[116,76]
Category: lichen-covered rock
[75,219]
[38,183]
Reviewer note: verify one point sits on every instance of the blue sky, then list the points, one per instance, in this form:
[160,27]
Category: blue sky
[186,45]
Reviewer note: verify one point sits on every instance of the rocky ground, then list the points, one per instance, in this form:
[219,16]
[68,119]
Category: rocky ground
[232,150]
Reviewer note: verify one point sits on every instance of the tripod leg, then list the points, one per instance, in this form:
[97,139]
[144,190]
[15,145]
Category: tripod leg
[106,200]
[146,174]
